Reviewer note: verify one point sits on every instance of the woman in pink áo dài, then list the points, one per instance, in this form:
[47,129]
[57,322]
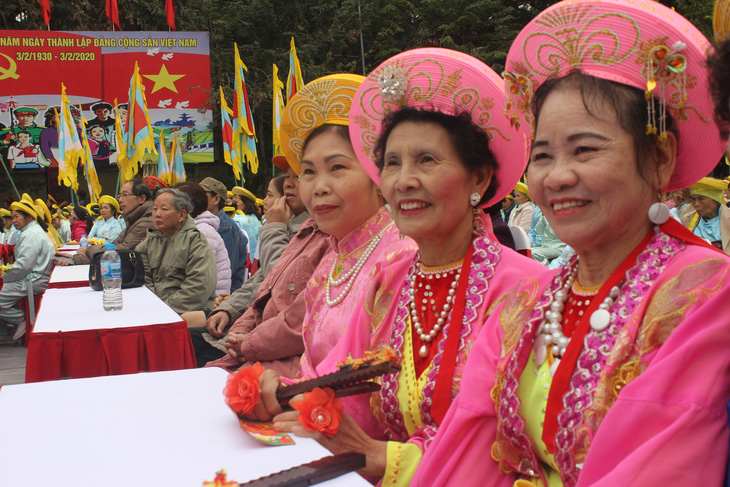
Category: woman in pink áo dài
[616,372]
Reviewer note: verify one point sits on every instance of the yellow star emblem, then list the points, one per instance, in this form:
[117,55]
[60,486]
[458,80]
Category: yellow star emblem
[164,79]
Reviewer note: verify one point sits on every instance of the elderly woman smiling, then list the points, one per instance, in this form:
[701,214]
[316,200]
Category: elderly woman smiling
[179,264]
[616,372]
[426,126]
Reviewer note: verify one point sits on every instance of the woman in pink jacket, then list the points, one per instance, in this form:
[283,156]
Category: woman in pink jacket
[613,371]
[208,223]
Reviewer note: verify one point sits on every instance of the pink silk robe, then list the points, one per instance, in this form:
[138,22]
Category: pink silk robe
[381,320]
[324,325]
[653,409]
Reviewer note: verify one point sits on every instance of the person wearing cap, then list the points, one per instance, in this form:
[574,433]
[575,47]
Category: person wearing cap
[424,127]
[286,216]
[712,221]
[45,215]
[25,117]
[521,215]
[7,217]
[108,226]
[615,369]
[246,215]
[30,271]
[233,239]
[61,224]
[135,201]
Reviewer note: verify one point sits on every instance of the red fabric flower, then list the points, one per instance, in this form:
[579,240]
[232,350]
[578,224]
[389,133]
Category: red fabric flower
[220,480]
[320,411]
[242,388]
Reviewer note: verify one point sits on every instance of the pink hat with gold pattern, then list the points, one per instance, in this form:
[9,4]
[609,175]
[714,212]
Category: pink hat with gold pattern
[639,43]
[446,81]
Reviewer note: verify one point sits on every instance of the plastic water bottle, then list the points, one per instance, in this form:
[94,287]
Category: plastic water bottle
[111,279]
[84,242]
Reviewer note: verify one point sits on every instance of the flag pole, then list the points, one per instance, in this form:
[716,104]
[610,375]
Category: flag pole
[7,173]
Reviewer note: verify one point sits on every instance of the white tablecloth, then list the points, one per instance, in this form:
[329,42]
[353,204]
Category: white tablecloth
[71,273]
[71,248]
[159,429]
[81,308]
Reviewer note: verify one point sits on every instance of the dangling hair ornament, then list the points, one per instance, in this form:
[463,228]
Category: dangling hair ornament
[665,67]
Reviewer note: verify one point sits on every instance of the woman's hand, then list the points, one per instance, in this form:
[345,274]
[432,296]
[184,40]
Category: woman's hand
[268,405]
[233,345]
[349,437]
[279,212]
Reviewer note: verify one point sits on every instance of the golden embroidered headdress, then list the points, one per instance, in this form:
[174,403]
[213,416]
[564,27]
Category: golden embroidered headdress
[721,20]
[325,100]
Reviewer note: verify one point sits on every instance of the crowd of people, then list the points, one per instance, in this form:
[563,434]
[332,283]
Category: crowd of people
[545,252]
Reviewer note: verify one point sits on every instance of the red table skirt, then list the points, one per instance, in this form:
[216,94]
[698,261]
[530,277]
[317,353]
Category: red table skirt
[93,353]
[67,285]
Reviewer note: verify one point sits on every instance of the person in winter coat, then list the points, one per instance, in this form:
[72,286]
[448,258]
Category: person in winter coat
[208,224]
[81,223]
[522,213]
[178,262]
[135,201]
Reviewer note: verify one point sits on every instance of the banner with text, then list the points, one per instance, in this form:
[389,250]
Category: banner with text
[96,68]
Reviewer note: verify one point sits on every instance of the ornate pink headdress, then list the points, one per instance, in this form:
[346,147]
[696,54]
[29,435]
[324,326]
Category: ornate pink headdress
[639,43]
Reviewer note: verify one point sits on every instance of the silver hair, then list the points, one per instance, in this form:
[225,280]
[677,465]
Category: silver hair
[180,200]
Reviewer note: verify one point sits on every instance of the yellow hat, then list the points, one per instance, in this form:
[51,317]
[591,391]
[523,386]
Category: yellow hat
[24,206]
[52,199]
[326,100]
[522,188]
[45,212]
[229,194]
[721,20]
[510,196]
[229,209]
[26,197]
[244,192]
[90,209]
[110,201]
[710,188]
[4,213]
[259,202]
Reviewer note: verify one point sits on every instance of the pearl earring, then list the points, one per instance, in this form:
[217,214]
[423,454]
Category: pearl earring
[659,212]
[475,198]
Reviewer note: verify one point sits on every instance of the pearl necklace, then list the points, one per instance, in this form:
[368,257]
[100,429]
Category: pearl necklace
[352,273]
[427,337]
[551,328]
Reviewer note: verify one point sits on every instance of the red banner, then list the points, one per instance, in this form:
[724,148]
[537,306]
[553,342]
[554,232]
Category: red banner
[96,68]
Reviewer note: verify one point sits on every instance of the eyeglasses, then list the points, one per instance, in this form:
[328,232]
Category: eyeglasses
[124,195]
